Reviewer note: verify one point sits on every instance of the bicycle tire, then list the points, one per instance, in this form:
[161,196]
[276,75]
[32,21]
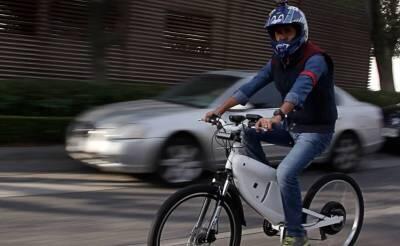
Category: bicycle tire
[183,195]
[327,179]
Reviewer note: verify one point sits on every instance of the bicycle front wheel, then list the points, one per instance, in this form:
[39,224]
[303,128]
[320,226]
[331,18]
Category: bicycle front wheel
[335,195]
[185,219]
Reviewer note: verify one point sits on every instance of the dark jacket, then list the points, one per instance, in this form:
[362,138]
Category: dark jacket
[318,112]
[307,82]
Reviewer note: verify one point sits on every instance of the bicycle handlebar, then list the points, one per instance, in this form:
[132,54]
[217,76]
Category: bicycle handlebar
[232,130]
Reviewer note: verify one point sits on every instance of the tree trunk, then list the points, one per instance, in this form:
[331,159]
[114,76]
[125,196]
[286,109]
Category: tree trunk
[384,55]
[383,50]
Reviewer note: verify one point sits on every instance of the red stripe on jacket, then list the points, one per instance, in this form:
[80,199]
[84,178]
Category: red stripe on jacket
[311,75]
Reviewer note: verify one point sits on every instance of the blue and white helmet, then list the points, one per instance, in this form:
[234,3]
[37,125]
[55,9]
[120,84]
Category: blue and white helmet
[285,15]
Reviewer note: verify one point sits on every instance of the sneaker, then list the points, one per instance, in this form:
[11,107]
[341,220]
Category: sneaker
[295,241]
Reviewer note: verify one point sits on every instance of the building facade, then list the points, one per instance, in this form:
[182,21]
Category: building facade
[153,41]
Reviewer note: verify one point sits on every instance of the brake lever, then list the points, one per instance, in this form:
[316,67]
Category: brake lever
[214,122]
[262,128]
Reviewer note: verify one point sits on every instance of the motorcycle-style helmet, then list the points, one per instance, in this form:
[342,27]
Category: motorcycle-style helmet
[285,14]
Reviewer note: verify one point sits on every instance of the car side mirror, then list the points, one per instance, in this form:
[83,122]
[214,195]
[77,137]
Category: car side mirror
[240,107]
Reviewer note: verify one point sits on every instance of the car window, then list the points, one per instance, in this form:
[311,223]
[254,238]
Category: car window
[344,98]
[267,97]
[338,99]
[200,91]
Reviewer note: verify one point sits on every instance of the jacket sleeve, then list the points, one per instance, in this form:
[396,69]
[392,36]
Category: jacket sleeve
[263,77]
[314,68]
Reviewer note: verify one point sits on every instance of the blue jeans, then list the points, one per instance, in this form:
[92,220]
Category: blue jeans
[306,146]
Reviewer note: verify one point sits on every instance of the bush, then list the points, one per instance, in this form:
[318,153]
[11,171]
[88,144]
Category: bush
[65,98]
[23,130]
[379,98]
[38,111]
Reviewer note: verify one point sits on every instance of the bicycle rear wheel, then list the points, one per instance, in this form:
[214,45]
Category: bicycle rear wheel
[185,217]
[336,195]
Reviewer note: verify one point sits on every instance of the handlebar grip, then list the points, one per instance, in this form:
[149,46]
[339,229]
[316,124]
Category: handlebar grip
[251,124]
[253,117]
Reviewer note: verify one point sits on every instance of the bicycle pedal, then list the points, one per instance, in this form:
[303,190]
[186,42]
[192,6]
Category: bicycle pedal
[268,229]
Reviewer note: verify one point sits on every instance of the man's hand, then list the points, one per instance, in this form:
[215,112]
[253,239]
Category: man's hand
[210,115]
[229,103]
[265,123]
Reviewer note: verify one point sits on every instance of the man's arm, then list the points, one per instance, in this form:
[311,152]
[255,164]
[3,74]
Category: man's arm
[314,68]
[242,95]
[287,107]
[247,90]
[229,103]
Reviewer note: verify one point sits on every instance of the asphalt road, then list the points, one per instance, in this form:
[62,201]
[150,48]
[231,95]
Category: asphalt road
[79,206]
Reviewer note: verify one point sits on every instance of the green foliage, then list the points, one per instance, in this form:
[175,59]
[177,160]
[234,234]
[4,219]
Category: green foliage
[65,98]
[390,12]
[379,98]
[45,108]
[32,130]
[384,16]
[36,112]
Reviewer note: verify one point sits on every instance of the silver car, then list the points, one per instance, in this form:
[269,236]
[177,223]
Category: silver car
[164,135]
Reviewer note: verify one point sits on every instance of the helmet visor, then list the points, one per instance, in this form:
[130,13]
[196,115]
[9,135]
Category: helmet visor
[285,30]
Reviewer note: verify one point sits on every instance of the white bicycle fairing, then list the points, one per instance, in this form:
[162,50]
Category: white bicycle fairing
[258,186]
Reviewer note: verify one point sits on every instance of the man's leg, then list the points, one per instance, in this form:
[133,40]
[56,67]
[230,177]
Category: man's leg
[307,147]
[251,140]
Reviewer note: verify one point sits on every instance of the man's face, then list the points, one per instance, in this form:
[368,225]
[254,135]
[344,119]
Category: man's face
[285,33]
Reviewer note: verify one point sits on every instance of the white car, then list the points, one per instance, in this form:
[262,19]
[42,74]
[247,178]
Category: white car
[164,135]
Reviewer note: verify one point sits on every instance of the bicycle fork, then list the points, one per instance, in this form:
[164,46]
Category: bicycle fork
[215,215]
[218,206]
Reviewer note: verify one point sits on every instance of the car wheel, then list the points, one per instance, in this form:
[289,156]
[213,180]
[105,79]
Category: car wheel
[181,161]
[346,153]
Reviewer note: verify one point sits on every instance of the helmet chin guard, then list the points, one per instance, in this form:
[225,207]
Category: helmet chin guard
[284,49]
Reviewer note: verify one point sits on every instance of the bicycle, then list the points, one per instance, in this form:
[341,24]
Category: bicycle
[333,207]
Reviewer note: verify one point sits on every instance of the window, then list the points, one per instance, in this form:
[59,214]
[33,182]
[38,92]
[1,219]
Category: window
[83,19]
[342,97]
[267,97]
[115,17]
[187,33]
[18,16]
[69,18]
[338,99]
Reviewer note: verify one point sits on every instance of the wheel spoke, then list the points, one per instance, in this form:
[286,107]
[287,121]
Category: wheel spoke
[336,197]
[185,219]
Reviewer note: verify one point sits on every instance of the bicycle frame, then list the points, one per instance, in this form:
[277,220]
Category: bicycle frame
[258,187]
[256,183]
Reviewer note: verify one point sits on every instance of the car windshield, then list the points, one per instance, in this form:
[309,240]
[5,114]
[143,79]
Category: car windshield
[199,91]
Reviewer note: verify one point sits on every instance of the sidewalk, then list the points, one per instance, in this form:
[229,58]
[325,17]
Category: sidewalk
[38,159]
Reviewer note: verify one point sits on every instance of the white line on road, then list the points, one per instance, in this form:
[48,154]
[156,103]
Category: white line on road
[183,241]
[44,184]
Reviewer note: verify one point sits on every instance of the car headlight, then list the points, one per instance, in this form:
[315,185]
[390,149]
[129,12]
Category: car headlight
[80,128]
[128,132]
[100,133]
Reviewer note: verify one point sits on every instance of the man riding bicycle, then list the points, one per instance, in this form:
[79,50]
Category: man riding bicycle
[303,74]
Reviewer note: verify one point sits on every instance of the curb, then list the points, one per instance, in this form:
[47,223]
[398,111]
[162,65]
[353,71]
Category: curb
[39,159]
[52,152]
